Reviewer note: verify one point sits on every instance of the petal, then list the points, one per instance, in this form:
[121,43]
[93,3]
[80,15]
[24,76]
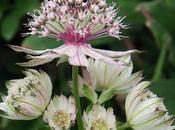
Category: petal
[89,51]
[78,59]
[75,54]
[35,62]
[116,53]
[25,50]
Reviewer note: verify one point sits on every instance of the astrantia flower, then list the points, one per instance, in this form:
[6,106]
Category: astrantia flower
[145,111]
[61,113]
[99,119]
[76,22]
[102,76]
[27,98]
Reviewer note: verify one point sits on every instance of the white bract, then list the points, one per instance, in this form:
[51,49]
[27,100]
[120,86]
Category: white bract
[99,119]
[102,76]
[76,23]
[146,111]
[61,113]
[28,97]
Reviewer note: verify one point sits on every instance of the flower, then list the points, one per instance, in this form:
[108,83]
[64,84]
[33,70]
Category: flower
[60,113]
[102,76]
[99,119]
[146,111]
[76,23]
[27,98]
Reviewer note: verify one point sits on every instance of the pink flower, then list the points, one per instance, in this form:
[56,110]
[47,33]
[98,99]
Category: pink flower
[76,22]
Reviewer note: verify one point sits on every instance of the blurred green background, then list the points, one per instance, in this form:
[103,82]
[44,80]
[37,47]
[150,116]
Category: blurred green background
[152,29]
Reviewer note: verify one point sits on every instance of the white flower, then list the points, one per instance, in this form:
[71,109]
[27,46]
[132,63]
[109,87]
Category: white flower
[146,111]
[102,76]
[75,23]
[61,113]
[99,119]
[27,98]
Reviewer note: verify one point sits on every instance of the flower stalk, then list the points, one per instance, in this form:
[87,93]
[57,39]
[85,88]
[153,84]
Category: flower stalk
[77,97]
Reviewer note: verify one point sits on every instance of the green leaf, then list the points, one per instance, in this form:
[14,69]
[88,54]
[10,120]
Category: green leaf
[20,125]
[30,5]
[44,128]
[166,89]
[170,3]
[89,107]
[3,7]
[37,43]
[10,25]
[89,93]
[106,95]
[160,33]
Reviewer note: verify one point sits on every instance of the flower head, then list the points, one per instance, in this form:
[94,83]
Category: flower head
[146,111]
[27,98]
[102,76]
[99,119]
[61,113]
[75,22]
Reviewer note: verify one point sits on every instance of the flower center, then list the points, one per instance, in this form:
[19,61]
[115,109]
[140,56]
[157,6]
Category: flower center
[74,36]
[99,125]
[61,119]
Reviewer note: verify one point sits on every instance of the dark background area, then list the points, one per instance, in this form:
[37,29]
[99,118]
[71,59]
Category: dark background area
[152,29]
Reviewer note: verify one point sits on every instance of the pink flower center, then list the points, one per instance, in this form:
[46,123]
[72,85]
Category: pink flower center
[74,36]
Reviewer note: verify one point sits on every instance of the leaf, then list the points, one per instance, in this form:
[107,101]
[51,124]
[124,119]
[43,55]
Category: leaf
[44,128]
[89,93]
[160,33]
[10,25]
[30,5]
[106,95]
[36,43]
[3,7]
[89,107]
[166,89]
[170,3]
[20,125]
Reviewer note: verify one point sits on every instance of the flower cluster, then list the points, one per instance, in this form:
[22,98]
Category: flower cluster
[76,23]
[105,73]
[79,21]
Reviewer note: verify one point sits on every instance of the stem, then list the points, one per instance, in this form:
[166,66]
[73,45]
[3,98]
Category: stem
[77,97]
[123,127]
[160,63]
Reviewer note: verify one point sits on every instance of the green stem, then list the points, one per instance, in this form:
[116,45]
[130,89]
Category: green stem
[160,63]
[77,97]
[123,127]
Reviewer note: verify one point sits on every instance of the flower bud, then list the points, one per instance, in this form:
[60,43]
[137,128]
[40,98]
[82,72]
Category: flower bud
[27,98]
[146,111]
[99,119]
[61,113]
